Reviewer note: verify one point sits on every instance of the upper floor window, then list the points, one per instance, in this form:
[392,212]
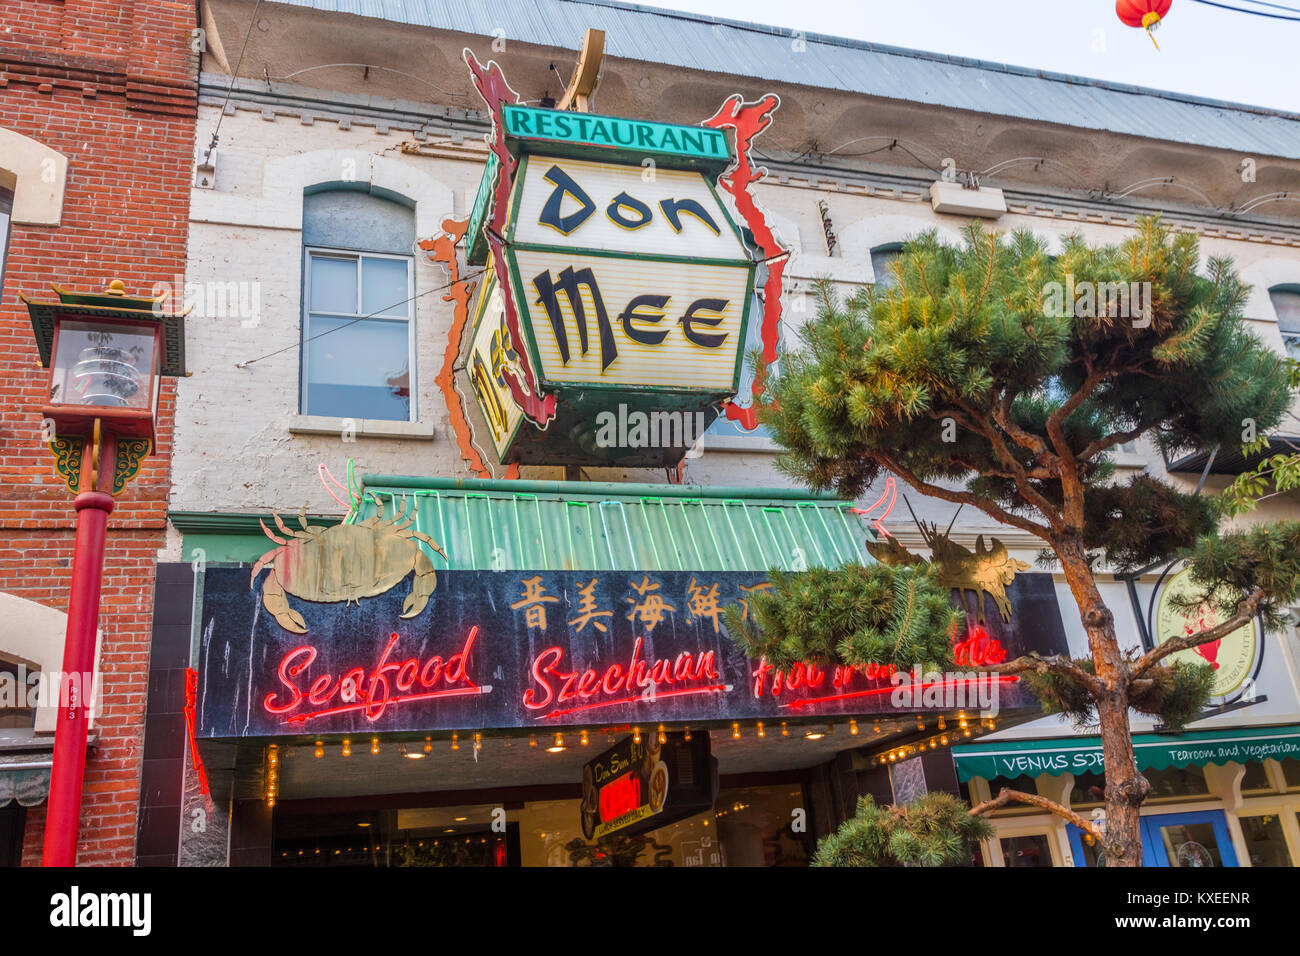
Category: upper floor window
[882,264]
[358,328]
[1286,301]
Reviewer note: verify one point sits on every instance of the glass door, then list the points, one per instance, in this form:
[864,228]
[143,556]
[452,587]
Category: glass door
[1172,839]
[1187,840]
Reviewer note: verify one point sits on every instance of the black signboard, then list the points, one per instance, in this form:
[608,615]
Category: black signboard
[541,650]
[641,784]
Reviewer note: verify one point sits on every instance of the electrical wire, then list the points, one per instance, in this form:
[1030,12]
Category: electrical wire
[361,318]
[370,66]
[1253,13]
[1275,6]
[252,19]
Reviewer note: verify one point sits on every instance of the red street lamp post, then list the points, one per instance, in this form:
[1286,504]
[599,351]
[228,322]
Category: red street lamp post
[107,354]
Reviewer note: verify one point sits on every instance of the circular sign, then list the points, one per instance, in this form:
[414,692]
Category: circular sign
[1233,656]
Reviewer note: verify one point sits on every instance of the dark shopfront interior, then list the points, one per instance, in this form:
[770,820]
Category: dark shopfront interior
[445,808]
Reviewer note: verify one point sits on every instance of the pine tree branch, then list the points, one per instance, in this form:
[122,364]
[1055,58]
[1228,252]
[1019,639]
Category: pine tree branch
[1033,799]
[1019,474]
[960,497]
[1245,611]
[1071,485]
[1056,662]
[1110,441]
[1001,412]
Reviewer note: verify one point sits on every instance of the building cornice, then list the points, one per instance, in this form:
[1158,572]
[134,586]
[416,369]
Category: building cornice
[457,133]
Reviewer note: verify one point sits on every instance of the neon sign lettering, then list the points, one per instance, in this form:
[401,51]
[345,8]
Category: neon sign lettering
[641,680]
[978,649]
[620,796]
[373,692]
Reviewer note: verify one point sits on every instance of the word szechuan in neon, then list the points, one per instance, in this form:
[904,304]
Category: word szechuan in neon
[641,680]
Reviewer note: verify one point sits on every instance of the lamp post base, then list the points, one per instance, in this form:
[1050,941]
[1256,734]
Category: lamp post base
[63,810]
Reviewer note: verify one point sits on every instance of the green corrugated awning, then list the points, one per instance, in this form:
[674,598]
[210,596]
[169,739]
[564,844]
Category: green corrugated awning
[1013,758]
[605,526]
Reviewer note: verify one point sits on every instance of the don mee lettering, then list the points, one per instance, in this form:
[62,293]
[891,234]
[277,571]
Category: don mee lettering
[642,318]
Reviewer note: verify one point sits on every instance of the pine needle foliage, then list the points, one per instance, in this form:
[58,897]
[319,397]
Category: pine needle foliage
[973,336]
[855,614]
[1175,693]
[933,830]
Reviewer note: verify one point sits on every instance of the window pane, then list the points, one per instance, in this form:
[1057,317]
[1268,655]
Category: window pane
[358,370]
[1089,788]
[1176,782]
[1291,772]
[333,284]
[1029,850]
[1265,841]
[1256,778]
[882,264]
[1287,304]
[1191,845]
[383,287]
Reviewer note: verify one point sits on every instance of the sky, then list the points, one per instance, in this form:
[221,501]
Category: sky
[1204,51]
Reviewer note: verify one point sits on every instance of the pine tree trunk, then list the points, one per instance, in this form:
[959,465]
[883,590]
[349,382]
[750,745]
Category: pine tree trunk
[1126,788]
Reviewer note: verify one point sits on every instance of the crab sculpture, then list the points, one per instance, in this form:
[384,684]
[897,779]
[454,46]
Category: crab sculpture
[345,562]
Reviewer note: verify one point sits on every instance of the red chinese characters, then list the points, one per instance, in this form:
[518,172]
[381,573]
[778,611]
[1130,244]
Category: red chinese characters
[371,691]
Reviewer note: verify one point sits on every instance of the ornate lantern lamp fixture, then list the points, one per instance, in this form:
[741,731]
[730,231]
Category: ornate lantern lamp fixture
[107,354]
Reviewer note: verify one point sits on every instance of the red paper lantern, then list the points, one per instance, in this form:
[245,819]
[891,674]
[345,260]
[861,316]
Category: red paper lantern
[1146,14]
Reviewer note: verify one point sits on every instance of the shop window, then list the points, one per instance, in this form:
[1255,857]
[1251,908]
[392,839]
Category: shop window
[1265,840]
[1024,783]
[1190,844]
[1030,850]
[1173,783]
[1089,790]
[1176,782]
[1286,301]
[1291,772]
[357,307]
[750,826]
[1256,779]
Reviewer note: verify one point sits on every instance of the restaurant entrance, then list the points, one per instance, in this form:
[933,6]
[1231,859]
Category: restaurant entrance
[757,820]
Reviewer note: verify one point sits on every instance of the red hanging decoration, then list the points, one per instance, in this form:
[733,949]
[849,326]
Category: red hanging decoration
[1146,14]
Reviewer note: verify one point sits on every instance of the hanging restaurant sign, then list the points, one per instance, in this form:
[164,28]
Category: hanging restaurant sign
[539,650]
[616,280]
[642,784]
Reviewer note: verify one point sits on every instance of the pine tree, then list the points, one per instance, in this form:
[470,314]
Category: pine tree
[976,343]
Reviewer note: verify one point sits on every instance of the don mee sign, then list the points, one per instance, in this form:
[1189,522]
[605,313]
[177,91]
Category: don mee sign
[618,279]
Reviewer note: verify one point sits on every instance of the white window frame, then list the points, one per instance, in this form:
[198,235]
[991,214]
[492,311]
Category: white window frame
[355,255]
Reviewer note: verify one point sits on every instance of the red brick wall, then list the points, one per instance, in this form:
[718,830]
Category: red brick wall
[112,86]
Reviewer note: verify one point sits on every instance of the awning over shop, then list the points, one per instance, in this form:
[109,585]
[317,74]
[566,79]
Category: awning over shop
[598,526]
[1013,758]
[25,778]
